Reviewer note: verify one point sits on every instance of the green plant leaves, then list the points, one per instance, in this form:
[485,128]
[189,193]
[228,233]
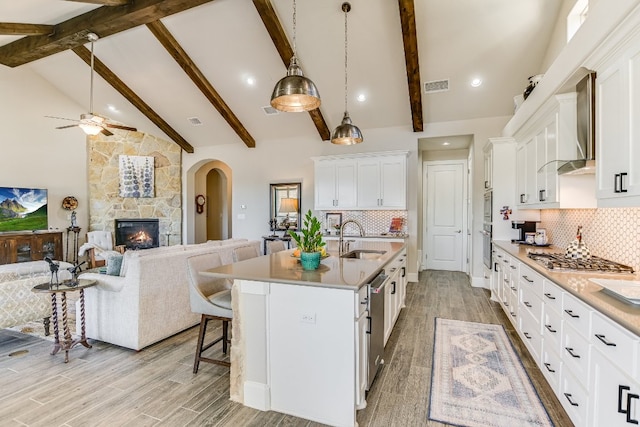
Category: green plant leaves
[310,237]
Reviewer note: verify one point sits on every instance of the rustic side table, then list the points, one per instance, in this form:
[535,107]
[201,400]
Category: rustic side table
[62,288]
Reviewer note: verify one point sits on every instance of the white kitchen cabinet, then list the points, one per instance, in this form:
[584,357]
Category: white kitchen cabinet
[527,173]
[382,182]
[618,130]
[335,184]
[391,306]
[372,181]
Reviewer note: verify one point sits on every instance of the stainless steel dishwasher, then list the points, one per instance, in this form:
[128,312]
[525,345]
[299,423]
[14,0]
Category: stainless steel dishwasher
[376,325]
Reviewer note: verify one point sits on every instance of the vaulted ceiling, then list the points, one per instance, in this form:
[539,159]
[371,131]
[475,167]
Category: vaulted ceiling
[160,65]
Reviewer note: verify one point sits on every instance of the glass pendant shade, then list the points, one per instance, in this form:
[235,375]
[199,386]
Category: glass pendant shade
[346,133]
[295,93]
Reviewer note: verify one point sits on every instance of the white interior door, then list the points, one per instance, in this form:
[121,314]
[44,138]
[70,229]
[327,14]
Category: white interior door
[445,234]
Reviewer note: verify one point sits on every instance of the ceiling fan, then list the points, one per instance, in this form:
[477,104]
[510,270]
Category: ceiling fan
[91,123]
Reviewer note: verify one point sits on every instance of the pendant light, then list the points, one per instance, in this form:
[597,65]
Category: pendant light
[86,119]
[295,93]
[347,133]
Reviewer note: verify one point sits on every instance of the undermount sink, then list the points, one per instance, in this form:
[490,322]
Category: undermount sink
[363,254]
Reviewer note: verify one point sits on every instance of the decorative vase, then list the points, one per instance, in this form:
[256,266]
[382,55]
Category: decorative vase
[310,260]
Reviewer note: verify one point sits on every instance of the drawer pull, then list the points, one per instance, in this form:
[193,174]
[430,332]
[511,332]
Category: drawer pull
[506,280]
[553,331]
[629,397]
[527,279]
[549,296]
[570,313]
[548,366]
[528,304]
[526,334]
[513,288]
[513,314]
[604,341]
[621,389]
[570,351]
[513,266]
[393,290]
[568,396]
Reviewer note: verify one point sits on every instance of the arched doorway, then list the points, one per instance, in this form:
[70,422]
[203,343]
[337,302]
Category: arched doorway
[217,221]
[213,180]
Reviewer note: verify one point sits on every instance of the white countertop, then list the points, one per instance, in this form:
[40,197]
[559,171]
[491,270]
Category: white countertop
[579,285]
[334,272]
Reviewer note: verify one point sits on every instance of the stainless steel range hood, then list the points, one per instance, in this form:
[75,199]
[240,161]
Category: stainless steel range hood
[586,132]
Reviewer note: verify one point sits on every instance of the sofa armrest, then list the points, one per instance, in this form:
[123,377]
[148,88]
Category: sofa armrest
[106,282]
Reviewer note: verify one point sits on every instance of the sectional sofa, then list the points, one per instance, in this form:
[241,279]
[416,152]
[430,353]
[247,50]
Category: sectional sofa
[149,300]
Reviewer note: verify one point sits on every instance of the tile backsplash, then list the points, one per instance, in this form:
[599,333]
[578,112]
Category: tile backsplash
[611,233]
[373,222]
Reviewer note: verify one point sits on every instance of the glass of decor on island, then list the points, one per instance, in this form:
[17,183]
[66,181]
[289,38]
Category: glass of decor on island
[309,242]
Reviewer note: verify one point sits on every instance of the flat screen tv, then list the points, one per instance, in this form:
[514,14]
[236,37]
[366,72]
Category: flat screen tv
[23,209]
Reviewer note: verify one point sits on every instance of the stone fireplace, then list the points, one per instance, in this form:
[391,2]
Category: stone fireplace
[138,233]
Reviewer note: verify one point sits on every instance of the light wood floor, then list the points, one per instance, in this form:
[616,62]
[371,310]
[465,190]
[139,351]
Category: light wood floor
[111,386]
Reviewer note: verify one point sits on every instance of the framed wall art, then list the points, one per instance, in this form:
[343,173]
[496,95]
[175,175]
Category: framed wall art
[136,175]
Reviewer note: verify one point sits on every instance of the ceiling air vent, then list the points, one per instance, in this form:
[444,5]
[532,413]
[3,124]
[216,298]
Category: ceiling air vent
[436,86]
[270,111]
[194,121]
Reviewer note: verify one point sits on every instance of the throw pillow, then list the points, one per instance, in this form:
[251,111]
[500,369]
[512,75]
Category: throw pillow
[114,264]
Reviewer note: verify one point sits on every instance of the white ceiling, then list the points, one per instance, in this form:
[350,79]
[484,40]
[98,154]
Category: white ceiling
[500,41]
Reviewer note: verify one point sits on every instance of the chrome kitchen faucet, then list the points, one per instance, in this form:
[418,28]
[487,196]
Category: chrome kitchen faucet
[343,247]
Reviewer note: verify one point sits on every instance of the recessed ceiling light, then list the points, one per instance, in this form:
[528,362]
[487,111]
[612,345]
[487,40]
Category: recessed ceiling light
[361,97]
[251,81]
[446,143]
[112,108]
[476,82]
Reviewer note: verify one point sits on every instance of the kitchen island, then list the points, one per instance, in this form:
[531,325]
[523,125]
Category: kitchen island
[299,341]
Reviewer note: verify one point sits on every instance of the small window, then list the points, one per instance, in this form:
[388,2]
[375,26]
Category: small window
[576,17]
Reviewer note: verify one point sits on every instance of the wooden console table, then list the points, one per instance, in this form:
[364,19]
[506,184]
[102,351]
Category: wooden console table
[62,288]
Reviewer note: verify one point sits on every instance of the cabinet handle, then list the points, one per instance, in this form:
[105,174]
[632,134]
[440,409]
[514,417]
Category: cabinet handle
[542,195]
[393,290]
[369,328]
[553,331]
[570,351]
[522,200]
[528,304]
[404,271]
[604,341]
[495,267]
[548,366]
[527,279]
[568,396]
[549,296]
[570,313]
[486,184]
[618,183]
[629,397]
[621,389]
[513,266]
[506,304]
[526,334]
[513,314]
[513,288]
[622,188]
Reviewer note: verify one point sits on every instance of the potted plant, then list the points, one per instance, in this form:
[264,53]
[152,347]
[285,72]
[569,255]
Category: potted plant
[309,241]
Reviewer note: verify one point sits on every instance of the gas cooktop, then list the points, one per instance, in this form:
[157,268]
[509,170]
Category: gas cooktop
[558,262]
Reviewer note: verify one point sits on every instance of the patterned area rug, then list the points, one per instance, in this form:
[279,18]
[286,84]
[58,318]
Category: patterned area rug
[478,380]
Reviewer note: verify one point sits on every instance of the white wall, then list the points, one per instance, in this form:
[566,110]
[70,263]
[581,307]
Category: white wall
[33,153]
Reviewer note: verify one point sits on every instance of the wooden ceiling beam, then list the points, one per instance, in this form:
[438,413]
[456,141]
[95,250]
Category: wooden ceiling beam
[410,40]
[16,29]
[103,2]
[132,97]
[104,21]
[280,41]
[191,69]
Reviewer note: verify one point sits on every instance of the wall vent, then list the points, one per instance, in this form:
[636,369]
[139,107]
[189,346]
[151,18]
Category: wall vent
[270,111]
[436,86]
[194,121]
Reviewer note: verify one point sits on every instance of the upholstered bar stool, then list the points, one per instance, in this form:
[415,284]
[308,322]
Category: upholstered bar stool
[244,252]
[275,246]
[212,298]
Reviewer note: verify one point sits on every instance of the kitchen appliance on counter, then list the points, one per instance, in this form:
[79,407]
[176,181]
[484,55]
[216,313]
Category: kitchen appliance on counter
[523,228]
[558,262]
[376,325]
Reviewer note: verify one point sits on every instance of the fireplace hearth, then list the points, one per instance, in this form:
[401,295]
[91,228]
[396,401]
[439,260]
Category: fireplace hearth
[138,233]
